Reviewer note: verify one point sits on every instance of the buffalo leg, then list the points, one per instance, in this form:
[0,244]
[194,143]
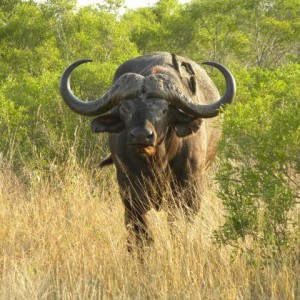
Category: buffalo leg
[185,202]
[137,227]
[186,197]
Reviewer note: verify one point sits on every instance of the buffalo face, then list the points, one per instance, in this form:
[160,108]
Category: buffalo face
[146,123]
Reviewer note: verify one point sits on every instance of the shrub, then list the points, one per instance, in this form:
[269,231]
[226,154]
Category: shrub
[259,173]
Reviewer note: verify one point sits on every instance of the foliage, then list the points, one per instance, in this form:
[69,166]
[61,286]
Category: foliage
[37,42]
[252,33]
[259,172]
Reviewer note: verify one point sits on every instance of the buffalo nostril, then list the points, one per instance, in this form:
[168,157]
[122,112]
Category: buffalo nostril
[134,132]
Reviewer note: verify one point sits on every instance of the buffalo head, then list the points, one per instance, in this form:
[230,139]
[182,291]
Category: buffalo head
[146,107]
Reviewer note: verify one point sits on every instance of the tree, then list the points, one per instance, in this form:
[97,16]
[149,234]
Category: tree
[273,30]
[38,40]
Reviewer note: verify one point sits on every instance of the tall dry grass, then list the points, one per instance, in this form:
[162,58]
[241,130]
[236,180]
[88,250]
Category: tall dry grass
[62,237]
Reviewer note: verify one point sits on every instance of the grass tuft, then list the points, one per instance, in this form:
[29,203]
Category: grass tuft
[63,237]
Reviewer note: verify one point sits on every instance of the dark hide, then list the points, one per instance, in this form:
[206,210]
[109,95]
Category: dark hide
[151,141]
[106,162]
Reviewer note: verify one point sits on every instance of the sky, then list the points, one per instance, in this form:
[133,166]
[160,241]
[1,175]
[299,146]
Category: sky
[128,3]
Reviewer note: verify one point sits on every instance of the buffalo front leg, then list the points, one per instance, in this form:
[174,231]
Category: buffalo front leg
[186,198]
[135,196]
[137,227]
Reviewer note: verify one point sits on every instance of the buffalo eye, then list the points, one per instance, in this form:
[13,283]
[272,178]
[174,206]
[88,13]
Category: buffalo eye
[124,110]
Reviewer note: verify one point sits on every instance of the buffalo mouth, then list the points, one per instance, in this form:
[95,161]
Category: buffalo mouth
[143,150]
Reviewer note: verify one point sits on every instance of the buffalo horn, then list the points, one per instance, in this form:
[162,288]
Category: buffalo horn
[126,84]
[206,110]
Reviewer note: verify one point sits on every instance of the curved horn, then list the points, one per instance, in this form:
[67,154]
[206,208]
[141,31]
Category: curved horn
[203,110]
[127,84]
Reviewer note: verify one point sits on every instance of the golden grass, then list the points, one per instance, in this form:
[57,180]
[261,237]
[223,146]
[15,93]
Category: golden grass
[63,237]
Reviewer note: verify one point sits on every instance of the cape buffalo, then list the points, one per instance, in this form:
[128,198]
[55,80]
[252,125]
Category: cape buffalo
[160,113]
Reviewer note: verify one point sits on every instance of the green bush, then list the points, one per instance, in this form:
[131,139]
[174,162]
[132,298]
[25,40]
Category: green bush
[38,40]
[259,173]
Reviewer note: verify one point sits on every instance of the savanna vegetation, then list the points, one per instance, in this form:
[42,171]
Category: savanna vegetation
[61,218]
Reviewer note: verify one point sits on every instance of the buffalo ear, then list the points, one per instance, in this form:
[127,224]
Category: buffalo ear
[107,123]
[185,129]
